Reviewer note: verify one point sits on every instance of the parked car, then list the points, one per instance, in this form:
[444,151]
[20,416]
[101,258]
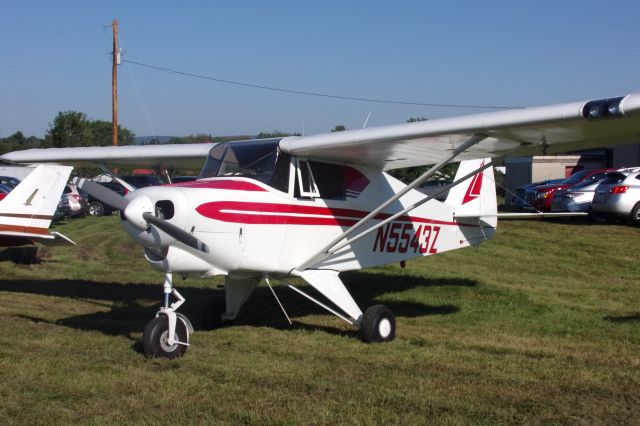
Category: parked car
[578,197]
[59,215]
[181,179]
[142,181]
[73,201]
[542,196]
[619,196]
[4,190]
[525,195]
[99,208]
[9,181]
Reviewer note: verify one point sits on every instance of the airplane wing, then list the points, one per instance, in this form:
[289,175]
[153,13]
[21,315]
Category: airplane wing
[529,131]
[176,156]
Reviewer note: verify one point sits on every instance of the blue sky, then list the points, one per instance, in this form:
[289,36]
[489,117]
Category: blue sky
[54,57]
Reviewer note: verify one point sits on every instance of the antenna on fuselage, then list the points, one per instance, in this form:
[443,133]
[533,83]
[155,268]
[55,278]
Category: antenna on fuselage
[367,120]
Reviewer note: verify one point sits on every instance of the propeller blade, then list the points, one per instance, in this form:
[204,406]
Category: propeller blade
[103,194]
[177,233]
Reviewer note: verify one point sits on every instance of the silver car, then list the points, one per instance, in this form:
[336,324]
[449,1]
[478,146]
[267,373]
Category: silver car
[578,197]
[619,196]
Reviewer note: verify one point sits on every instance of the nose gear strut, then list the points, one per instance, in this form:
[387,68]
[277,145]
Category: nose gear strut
[167,335]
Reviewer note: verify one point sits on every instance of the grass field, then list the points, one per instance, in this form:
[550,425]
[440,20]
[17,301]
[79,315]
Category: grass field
[540,325]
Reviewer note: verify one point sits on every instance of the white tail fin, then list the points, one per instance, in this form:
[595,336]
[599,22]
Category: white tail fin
[475,198]
[29,208]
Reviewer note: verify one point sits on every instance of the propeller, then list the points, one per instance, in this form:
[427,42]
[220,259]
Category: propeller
[176,232]
[103,194]
[140,206]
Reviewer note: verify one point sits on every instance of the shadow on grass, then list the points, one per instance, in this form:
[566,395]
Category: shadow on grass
[623,319]
[124,309]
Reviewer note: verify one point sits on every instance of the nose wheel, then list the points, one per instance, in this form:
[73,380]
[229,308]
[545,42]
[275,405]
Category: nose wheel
[167,335]
[155,339]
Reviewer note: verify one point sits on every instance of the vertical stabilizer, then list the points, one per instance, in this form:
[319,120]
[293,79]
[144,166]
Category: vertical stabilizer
[474,199]
[29,208]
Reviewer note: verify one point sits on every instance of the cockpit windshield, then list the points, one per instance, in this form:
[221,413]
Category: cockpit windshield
[259,159]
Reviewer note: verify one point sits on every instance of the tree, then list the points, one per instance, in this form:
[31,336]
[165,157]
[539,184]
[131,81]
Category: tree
[69,128]
[275,134]
[338,128]
[18,141]
[73,128]
[102,134]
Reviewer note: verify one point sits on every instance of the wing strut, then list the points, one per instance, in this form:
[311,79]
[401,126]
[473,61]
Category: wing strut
[327,250]
[115,177]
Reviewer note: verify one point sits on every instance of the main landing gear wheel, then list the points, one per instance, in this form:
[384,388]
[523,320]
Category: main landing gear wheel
[378,324]
[156,335]
[634,217]
[598,217]
[212,313]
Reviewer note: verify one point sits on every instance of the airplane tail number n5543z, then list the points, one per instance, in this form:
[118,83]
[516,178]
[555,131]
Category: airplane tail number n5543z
[402,238]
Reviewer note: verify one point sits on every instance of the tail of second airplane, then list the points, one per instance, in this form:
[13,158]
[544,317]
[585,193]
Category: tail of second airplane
[474,200]
[27,211]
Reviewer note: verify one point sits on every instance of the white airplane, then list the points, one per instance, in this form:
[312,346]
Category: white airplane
[315,206]
[26,212]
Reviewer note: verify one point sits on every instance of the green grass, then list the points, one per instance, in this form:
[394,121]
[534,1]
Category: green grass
[540,325]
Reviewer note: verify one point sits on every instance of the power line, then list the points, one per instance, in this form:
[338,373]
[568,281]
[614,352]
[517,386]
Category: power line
[306,93]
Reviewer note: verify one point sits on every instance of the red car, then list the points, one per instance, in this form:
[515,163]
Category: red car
[543,195]
[4,191]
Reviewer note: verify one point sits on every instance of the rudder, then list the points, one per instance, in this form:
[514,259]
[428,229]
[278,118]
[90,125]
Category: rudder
[475,197]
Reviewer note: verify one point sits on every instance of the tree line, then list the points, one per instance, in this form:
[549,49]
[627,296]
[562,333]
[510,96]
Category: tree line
[69,129]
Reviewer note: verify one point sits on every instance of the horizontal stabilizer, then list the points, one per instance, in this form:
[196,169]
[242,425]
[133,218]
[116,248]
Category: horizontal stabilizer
[522,215]
[50,240]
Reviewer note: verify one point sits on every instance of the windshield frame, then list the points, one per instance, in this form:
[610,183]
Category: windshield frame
[259,159]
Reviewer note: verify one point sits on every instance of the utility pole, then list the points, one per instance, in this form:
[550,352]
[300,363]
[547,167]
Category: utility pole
[114,83]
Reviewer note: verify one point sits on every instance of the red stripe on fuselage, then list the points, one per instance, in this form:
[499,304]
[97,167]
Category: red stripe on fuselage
[234,185]
[292,214]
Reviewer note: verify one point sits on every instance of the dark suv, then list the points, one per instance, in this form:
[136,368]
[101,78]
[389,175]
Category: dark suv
[97,207]
[142,181]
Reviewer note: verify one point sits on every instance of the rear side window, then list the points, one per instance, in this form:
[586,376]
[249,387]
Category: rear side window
[330,179]
[614,178]
[596,177]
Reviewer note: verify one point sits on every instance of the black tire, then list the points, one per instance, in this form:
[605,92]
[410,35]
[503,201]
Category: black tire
[212,313]
[96,209]
[598,217]
[378,324]
[634,217]
[156,333]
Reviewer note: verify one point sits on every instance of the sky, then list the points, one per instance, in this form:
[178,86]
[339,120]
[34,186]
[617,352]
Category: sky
[55,56]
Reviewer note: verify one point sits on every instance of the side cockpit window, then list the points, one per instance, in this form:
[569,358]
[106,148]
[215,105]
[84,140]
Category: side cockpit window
[330,179]
[263,161]
[305,183]
[320,180]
